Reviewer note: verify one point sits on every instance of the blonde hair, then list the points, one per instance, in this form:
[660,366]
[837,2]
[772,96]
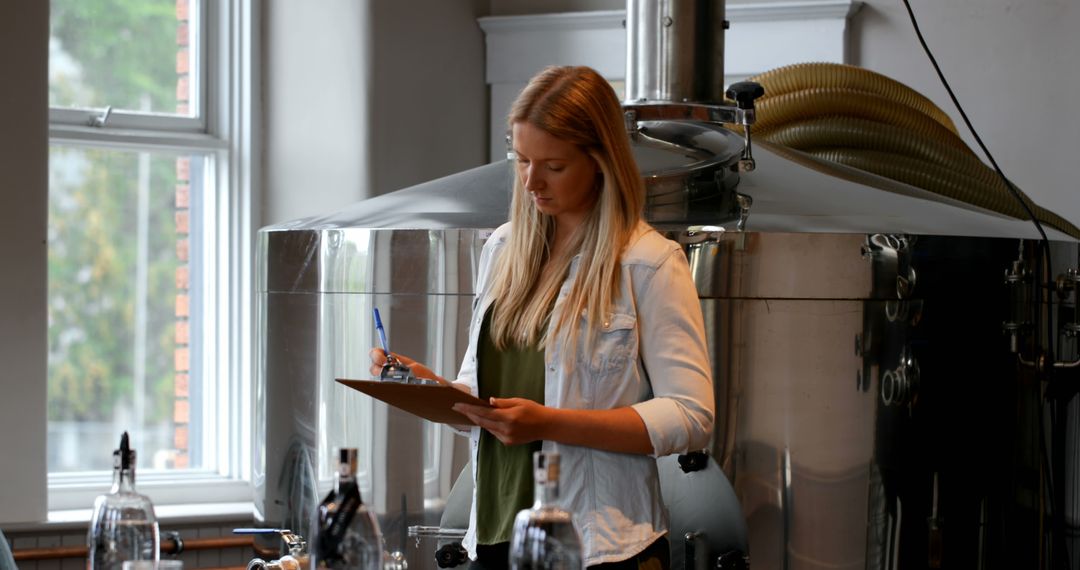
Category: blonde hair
[579,106]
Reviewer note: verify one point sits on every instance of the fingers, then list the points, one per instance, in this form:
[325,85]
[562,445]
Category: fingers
[501,430]
[511,420]
[378,359]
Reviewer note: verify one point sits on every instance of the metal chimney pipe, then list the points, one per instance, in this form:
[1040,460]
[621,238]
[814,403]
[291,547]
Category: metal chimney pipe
[675,51]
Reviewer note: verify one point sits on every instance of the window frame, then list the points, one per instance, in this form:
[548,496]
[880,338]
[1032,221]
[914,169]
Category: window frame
[222,128]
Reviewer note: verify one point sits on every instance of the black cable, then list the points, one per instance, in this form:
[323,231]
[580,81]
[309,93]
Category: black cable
[1045,242]
[967,122]
[1048,366]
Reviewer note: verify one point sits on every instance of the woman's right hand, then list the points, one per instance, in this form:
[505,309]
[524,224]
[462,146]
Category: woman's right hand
[378,360]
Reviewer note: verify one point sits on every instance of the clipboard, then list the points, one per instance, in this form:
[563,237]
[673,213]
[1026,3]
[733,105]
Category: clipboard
[429,401]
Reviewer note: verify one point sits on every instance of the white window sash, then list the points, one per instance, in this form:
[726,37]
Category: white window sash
[222,128]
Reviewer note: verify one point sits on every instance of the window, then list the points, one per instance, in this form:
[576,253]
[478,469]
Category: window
[148,246]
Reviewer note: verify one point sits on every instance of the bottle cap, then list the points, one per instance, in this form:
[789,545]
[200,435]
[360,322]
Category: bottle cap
[546,467]
[125,456]
[347,460]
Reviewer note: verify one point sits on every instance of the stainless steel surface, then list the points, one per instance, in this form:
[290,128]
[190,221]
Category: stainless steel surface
[688,171]
[839,410]
[706,520]
[840,361]
[675,50]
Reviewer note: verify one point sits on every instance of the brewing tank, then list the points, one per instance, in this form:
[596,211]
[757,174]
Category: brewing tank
[862,377]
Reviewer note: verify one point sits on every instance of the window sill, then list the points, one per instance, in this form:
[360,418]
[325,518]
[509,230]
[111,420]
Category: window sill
[167,515]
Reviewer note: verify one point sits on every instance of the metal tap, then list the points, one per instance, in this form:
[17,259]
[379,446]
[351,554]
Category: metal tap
[296,559]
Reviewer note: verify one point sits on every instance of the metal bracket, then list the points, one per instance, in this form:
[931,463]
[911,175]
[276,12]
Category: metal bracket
[100,120]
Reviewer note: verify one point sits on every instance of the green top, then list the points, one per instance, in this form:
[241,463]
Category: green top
[504,479]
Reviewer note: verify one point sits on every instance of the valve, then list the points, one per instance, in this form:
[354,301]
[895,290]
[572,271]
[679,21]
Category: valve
[450,555]
[744,93]
[1018,282]
[1065,285]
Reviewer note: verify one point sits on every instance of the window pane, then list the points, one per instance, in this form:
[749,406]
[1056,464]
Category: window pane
[136,55]
[122,312]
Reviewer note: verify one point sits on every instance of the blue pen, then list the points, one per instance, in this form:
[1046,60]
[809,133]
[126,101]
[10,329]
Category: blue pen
[382,332]
[393,370]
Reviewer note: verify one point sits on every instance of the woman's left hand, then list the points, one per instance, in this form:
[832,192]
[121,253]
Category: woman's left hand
[512,420]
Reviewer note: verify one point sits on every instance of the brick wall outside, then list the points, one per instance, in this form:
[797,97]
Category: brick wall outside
[182,364]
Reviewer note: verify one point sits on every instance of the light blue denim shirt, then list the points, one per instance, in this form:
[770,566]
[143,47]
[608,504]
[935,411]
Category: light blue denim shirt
[655,325]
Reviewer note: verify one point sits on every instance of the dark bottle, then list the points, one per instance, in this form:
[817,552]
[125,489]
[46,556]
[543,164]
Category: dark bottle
[345,534]
[123,526]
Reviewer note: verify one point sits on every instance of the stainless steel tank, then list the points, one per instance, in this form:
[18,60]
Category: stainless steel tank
[869,401]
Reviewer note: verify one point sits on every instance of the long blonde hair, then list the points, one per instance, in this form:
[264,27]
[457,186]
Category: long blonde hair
[579,106]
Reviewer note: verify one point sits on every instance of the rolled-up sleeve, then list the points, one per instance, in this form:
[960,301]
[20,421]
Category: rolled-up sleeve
[679,417]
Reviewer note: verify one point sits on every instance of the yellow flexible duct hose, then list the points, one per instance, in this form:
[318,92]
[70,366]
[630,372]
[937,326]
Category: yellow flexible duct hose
[856,117]
[852,132]
[776,110]
[801,76]
[941,180]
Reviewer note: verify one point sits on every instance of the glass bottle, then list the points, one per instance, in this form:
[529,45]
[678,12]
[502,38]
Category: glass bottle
[546,536]
[123,526]
[346,534]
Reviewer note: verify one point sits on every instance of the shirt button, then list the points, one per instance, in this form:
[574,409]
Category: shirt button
[551,368]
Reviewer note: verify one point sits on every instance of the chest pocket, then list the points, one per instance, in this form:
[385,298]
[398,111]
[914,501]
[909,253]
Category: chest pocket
[615,348]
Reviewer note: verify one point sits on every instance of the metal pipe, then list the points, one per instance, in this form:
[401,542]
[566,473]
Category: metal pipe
[168,546]
[675,51]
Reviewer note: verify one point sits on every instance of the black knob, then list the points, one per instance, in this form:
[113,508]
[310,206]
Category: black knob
[744,93]
[693,461]
[450,555]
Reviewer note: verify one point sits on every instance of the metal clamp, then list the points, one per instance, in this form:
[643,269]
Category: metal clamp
[891,256]
[743,93]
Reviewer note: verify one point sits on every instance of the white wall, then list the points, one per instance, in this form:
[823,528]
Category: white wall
[429,99]
[316,63]
[24,33]
[363,98]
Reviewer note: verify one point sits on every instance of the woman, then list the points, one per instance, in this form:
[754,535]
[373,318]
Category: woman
[586,332]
